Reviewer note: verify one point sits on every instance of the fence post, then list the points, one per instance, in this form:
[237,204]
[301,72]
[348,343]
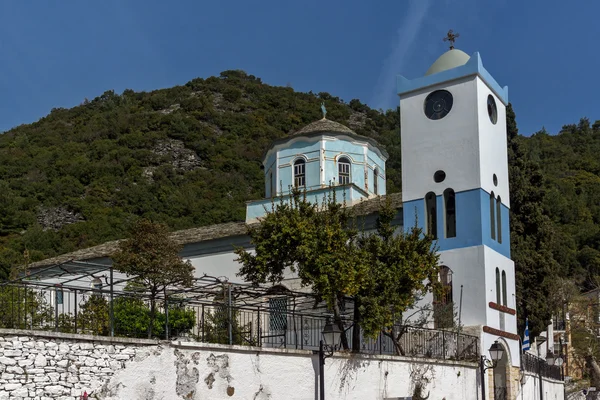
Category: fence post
[166,318]
[76,302]
[55,308]
[444,345]
[380,343]
[259,328]
[202,322]
[301,333]
[112,310]
[229,312]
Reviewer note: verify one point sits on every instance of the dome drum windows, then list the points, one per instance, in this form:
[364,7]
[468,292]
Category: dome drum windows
[376,181]
[344,171]
[300,173]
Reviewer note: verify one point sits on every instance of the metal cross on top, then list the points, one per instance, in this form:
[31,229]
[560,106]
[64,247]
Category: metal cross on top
[451,37]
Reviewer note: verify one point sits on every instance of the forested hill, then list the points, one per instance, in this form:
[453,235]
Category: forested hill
[190,156]
[570,165]
[187,156]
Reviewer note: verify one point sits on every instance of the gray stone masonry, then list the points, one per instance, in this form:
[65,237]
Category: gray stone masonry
[48,365]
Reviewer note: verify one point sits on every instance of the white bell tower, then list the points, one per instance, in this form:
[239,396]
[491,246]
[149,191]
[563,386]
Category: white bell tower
[455,185]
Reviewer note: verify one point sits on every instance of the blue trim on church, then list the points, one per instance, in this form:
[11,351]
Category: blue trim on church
[473,67]
[473,221]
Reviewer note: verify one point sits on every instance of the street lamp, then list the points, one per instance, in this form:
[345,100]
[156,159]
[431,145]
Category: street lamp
[496,353]
[331,337]
[550,357]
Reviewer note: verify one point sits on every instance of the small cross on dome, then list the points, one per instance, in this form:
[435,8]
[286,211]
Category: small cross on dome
[451,37]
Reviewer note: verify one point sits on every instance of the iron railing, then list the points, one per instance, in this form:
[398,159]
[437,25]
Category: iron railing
[539,366]
[276,325]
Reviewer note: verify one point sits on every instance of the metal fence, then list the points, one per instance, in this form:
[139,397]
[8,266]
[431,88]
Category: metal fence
[272,324]
[539,366]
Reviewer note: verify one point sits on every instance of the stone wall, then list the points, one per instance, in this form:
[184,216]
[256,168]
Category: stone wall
[47,365]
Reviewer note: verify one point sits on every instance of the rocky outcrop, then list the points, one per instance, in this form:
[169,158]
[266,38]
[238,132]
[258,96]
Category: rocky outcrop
[357,120]
[55,218]
[177,154]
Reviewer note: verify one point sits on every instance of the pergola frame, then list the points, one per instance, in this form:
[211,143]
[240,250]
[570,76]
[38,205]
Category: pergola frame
[76,275]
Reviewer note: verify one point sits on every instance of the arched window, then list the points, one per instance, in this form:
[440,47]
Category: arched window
[431,214]
[492,216]
[498,298]
[504,299]
[299,172]
[443,312]
[344,171]
[499,218]
[450,208]
[375,181]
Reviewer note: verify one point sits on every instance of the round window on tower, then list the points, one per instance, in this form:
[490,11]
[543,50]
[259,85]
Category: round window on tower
[439,176]
[438,104]
[492,109]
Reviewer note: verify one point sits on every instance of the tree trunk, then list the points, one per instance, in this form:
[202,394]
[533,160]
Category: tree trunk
[337,319]
[396,340]
[356,328]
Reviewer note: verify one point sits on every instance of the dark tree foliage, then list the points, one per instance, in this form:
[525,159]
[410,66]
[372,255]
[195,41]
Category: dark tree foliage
[532,235]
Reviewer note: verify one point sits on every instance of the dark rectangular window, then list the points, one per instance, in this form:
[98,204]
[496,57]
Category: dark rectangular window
[278,313]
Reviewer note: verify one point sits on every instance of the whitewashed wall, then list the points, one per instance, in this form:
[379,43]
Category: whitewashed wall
[48,365]
[530,390]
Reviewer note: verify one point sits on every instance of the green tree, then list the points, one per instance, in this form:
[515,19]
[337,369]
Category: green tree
[383,272]
[152,258]
[132,317]
[531,235]
[94,316]
[24,308]
[315,241]
[403,267]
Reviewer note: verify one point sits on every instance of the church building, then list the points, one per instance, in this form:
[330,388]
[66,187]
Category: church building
[454,185]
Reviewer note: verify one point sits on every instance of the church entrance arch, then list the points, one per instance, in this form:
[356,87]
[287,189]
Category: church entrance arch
[501,374]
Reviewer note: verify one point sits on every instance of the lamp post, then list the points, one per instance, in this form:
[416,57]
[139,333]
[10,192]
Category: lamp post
[331,337]
[496,353]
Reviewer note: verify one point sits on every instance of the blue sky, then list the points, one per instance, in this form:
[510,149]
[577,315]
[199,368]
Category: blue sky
[56,53]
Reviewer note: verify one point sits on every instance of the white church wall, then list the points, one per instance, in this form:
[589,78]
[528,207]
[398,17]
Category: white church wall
[467,265]
[495,318]
[449,144]
[217,265]
[493,146]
